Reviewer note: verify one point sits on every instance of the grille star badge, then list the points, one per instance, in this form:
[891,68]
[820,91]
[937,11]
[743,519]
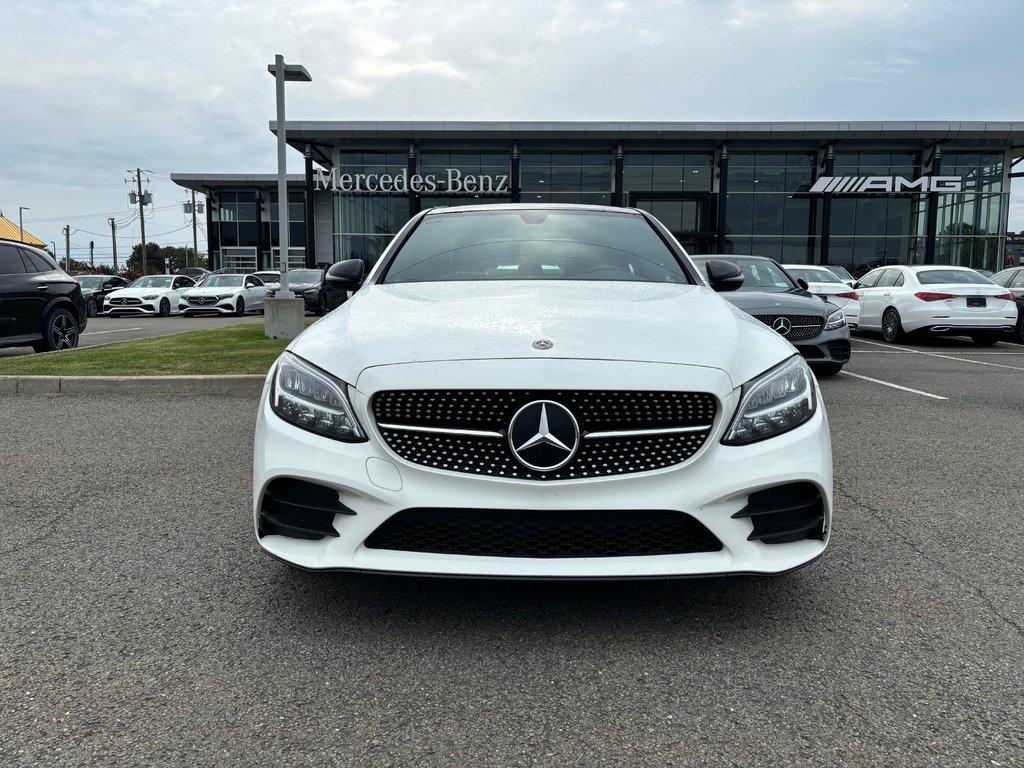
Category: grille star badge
[543,435]
[543,344]
[782,326]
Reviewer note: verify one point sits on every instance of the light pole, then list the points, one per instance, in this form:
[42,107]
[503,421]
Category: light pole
[293,73]
[20,209]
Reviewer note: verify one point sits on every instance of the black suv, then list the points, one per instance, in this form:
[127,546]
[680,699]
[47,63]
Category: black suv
[40,305]
[309,284]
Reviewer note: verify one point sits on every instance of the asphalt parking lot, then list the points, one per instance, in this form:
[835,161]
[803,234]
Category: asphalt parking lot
[142,626]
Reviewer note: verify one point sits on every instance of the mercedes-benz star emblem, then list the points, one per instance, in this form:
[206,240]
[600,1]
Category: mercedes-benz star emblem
[782,325]
[543,435]
[543,344]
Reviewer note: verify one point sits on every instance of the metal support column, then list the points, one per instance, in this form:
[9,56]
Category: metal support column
[514,188]
[310,229]
[411,169]
[933,208]
[723,192]
[826,208]
[618,195]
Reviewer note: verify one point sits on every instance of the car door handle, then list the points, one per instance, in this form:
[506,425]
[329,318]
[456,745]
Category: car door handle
[43,287]
[887,293]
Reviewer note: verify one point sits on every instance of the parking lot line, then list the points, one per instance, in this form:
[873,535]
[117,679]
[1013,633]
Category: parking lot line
[894,386]
[115,330]
[948,357]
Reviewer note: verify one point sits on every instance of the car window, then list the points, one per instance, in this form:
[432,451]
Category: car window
[36,262]
[941,276]
[899,281]
[814,274]
[888,278]
[1002,278]
[534,244]
[869,280]
[1018,280]
[10,260]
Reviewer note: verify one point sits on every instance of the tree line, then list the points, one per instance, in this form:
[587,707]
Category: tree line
[158,260]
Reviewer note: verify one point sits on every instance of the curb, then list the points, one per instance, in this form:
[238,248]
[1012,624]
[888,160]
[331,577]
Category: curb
[251,384]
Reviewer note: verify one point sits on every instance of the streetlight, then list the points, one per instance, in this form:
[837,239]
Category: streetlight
[292,73]
[20,209]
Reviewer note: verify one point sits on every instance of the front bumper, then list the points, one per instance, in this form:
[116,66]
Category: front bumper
[143,308]
[827,347]
[222,307]
[372,484]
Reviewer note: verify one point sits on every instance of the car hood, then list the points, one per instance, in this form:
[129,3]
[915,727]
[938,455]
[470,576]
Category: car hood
[770,303]
[297,286]
[139,292]
[212,290]
[586,320]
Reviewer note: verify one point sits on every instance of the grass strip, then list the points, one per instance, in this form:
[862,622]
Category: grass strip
[239,349]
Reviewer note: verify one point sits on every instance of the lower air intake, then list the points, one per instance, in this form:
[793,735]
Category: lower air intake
[786,513]
[299,509]
[543,533]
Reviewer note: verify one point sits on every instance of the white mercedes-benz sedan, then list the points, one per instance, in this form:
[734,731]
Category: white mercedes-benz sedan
[224,294]
[526,391]
[149,295]
[824,283]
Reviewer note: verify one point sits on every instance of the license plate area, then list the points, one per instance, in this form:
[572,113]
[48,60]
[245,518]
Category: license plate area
[975,301]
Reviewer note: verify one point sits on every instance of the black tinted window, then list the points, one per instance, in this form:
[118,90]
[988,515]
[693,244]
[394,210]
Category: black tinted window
[10,260]
[37,262]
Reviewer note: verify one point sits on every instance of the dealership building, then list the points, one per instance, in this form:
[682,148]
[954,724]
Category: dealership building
[857,194]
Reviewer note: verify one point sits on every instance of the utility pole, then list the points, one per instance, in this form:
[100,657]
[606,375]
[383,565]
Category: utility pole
[92,260]
[113,239]
[67,247]
[20,225]
[142,217]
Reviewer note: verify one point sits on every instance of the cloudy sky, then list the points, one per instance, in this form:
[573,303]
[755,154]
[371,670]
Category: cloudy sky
[94,88]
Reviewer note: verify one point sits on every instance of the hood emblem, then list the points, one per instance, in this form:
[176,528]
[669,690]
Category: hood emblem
[782,326]
[543,344]
[543,435]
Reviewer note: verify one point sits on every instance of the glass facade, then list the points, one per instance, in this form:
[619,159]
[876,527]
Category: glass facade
[746,200]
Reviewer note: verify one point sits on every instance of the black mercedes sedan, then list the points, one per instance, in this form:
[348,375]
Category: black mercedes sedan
[309,285]
[815,327]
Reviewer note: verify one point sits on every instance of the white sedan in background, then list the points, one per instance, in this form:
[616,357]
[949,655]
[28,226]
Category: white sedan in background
[934,299]
[149,295]
[821,281]
[224,295]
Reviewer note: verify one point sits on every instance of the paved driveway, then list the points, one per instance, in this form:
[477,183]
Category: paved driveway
[141,625]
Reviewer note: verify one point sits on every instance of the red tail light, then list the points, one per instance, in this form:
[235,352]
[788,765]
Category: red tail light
[848,295]
[1004,296]
[932,296]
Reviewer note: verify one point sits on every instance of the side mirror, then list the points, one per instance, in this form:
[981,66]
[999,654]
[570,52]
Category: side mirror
[723,275]
[802,283]
[346,275]
[108,286]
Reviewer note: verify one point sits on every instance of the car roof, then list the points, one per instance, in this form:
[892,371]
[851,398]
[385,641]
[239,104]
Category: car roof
[530,207]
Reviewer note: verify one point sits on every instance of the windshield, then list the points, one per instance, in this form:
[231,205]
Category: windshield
[303,276]
[90,283]
[841,271]
[222,281]
[814,275]
[153,281]
[531,244]
[943,276]
[268,277]
[758,274]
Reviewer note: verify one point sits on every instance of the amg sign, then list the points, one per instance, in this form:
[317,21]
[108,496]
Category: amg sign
[453,180]
[859,185]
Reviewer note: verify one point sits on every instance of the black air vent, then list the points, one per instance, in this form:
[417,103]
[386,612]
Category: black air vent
[299,509]
[785,513]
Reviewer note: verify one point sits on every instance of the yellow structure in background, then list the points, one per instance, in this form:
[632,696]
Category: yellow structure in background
[9,230]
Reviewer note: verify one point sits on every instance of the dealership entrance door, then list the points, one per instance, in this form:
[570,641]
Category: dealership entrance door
[687,215]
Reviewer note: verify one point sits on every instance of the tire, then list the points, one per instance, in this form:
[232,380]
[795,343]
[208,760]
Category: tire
[240,307]
[165,308]
[892,328]
[827,369]
[321,306]
[984,339]
[91,308]
[60,331]
[1020,330]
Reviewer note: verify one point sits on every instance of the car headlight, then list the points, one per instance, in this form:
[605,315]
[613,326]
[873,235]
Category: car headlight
[223,296]
[836,320]
[150,298]
[777,401]
[312,399]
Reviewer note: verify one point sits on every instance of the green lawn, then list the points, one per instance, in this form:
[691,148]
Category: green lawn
[235,350]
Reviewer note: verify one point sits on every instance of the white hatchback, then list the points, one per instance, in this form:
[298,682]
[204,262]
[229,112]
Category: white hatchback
[934,299]
[821,281]
[523,391]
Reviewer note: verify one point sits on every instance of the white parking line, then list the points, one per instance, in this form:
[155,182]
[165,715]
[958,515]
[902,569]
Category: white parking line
[894,386]
[947,357]
[116,330]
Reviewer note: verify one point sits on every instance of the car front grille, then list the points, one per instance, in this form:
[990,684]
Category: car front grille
[800,326]
[543,533]
[620,432]
[200,301]
[122,301]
